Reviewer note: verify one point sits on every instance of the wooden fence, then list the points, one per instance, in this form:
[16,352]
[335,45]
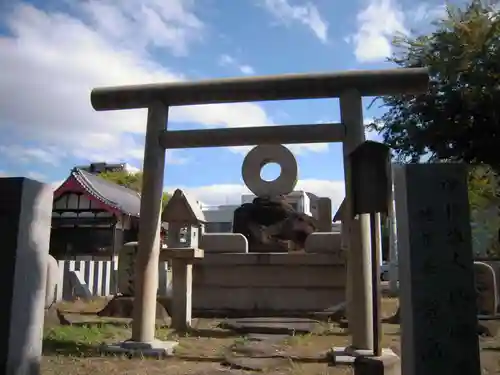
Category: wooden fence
[100,277]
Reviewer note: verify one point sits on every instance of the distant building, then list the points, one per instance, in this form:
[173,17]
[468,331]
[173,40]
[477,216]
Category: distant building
[219,219]
[96,168]
[301,201]
[92,216]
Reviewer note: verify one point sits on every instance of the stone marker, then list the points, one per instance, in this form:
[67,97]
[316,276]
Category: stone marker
[437,294]
[324,216]
[126,268]
[25,218]
[486,289]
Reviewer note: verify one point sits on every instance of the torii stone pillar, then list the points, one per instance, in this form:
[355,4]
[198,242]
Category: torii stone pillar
[146,272]
[359,284]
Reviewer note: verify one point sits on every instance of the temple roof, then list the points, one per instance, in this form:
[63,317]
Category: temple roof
[116,196]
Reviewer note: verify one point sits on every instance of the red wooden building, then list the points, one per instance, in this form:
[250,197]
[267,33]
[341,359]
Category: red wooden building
[92,216]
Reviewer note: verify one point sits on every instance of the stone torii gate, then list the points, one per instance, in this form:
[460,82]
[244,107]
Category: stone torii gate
[349,86]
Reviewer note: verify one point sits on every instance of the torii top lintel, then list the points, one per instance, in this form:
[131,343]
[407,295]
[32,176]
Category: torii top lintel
[249,89]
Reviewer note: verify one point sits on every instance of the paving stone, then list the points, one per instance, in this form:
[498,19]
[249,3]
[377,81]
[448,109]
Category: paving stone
[272,325]
[254,364]
[264,337]
[220,371]
[257,349]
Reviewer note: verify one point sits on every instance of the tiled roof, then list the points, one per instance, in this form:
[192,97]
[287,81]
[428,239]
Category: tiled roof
[124,199]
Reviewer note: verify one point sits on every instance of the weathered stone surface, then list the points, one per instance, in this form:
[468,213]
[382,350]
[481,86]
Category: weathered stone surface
[278,326]
[254,364]
[487,328]
[486,288]
[264,337]
[53,317]
[335,313]
[122,307]
[270,224]
[257,349]
[394,319]
[219,371]
[52,286]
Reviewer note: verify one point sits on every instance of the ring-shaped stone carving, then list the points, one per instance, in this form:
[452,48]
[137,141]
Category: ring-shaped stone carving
[261,155]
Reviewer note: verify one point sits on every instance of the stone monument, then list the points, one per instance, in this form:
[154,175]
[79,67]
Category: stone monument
[25,218]
[121,306]
[269,223]
[437,293]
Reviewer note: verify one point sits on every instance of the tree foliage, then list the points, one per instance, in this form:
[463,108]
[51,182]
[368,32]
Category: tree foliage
[483,184]
[484,206]
[457,119]
[130,180]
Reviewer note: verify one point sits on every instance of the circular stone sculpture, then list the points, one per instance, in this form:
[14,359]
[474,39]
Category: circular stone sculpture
[261,155]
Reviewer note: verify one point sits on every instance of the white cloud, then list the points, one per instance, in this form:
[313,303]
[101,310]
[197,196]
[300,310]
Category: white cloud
[131,169]
[425,12]
[50,61]
[247,69]
[68,55]
[167,24]
[226,60]
[36,176]
[380,20]
[56,184]
[29,154]
[219,194]
[377,23]
[307,14]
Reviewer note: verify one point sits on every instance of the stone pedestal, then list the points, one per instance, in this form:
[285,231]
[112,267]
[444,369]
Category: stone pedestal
[364,363]
[25,218]
[182,283]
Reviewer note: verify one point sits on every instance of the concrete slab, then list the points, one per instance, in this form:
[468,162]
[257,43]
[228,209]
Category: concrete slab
[254,364]
[156,348]
[264,337]
[271,325]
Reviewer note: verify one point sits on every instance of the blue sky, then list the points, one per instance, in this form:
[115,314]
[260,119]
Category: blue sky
[53,52]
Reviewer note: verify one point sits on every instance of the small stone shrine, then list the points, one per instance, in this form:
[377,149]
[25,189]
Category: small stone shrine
[182,212]
[269,223]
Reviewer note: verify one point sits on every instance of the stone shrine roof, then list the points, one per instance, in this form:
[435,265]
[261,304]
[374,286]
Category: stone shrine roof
[182,208]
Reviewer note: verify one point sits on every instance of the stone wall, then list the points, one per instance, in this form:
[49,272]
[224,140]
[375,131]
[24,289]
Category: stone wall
[267,283]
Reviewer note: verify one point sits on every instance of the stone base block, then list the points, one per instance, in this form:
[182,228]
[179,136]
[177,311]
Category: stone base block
[156,348]
[365,363]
